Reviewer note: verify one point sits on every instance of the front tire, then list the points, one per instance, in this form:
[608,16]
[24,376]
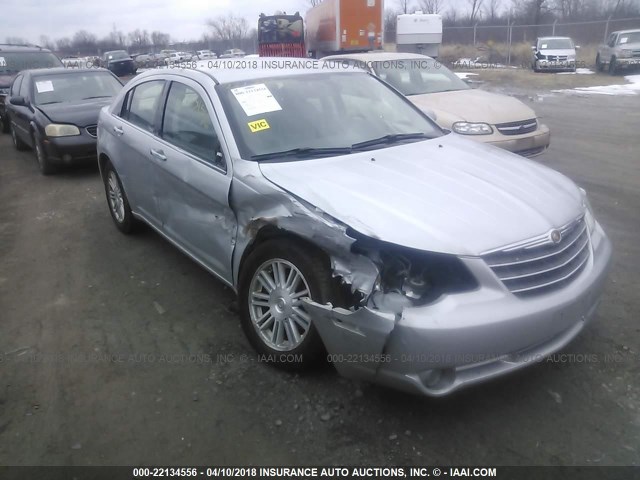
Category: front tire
[599,65]
[274,279]
[44,164]
[117,201]
[17,142]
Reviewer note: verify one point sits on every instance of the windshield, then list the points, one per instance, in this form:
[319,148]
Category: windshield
[418,76]
[14,62]
[555,44]
[118,55]
[632,37]
[71,87]
[333,111]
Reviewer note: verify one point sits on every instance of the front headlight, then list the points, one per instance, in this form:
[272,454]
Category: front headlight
[4,91]
[61,130]
[571,58]
[589,219]
[626,54]
[466,128]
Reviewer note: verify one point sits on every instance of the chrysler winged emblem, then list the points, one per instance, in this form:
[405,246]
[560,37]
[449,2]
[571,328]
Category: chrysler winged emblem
[555,236]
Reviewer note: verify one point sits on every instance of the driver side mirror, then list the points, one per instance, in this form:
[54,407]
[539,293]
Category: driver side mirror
[533,47]
[577,47]
[18,100]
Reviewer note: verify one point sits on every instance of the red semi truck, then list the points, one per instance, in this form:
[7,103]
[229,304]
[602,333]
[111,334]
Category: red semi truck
[339,26]
[281,35]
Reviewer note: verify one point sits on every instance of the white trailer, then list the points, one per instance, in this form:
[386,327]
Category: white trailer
[419,33]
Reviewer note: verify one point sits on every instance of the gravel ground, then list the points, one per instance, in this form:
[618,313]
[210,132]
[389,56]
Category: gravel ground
[120,350]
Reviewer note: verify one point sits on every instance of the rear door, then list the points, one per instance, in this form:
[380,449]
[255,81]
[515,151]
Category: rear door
[194,178]
[136,134]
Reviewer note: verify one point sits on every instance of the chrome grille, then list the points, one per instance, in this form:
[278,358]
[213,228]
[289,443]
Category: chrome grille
[636,53]
[518,128]
[92,130]
[557,58]
[540,265]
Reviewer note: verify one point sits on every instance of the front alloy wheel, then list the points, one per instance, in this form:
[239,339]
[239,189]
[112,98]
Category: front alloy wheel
[275,305]
[116,200]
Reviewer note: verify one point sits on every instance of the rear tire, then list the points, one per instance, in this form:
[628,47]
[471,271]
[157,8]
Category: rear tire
[272,316]
[4,124]
[117,201]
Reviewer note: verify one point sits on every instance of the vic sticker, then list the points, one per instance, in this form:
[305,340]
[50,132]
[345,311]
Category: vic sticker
[258,125]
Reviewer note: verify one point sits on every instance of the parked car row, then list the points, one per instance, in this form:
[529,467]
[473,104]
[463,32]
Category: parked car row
[346,207]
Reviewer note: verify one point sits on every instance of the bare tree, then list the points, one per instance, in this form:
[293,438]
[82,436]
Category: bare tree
[404,5]
[314,3]
[159,39]
[17,40]
[492,10]
[229,28]
[139,39]
[476,6]
[390,22]
[84,41]
[432,6]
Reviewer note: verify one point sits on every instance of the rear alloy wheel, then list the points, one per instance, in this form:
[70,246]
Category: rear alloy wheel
[117,201]
[17,143]
[276,278]
[46,168]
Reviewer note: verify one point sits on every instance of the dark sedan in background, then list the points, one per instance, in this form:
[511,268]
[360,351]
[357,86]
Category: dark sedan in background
[55,112]
[119,62]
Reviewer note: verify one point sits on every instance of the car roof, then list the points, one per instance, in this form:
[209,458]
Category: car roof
[377,56]
[554,38]
[39,72]
[632,30]
[10,47]
[270,67]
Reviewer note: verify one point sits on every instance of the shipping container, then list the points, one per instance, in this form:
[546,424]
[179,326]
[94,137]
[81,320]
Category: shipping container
[338,26]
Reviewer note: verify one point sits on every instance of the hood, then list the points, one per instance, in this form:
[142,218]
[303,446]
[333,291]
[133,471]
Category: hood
[448,195]
[80,113]
[557,51]
[473,105]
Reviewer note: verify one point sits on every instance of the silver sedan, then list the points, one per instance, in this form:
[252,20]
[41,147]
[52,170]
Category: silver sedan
[351,226]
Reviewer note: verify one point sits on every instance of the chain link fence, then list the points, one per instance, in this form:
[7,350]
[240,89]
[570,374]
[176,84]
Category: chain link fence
[593,32]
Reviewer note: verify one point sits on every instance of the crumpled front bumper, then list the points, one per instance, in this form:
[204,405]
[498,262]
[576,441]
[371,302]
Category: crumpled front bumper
[462,339]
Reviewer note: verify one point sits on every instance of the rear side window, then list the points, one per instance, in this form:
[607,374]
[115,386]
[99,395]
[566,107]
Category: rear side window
[15,88]
[141,104]
[188,126]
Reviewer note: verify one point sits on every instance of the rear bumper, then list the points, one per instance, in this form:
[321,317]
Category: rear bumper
[462,339]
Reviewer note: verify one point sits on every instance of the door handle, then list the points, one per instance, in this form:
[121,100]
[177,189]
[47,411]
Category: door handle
[159,154]
[118,130]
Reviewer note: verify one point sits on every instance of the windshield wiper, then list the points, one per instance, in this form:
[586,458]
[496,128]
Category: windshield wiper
[96,96]
[49,103]
[389,139]
[302,152]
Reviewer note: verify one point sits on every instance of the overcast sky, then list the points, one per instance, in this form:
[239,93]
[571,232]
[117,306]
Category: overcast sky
[182,19]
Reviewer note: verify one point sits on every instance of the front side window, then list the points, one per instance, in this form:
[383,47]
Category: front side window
[142,104]
[188,126]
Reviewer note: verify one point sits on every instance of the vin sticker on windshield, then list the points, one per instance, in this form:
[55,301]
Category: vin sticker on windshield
[44,86]
[256,99]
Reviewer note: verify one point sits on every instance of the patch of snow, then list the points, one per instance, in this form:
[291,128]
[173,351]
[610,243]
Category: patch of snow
[463,75]
[579,71]
[632,88]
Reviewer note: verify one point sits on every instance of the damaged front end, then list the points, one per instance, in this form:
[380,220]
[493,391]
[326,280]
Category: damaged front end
[357,337]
